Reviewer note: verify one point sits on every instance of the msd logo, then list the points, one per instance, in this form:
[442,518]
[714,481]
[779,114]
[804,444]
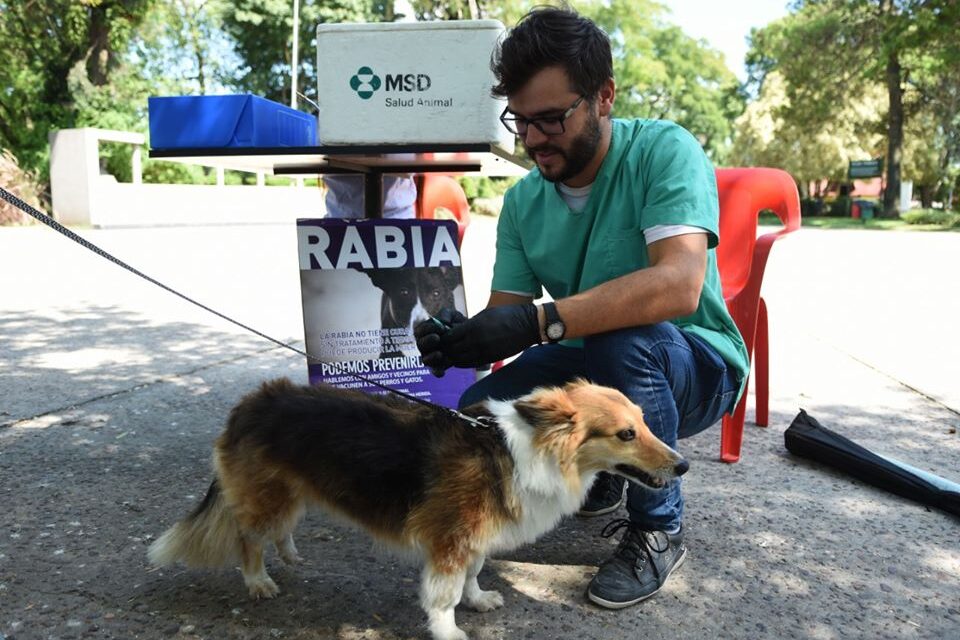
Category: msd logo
[365,82]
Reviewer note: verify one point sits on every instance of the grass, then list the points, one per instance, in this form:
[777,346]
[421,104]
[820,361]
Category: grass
[836,222]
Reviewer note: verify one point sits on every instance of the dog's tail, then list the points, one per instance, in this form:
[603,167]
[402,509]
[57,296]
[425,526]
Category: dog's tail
[208,537]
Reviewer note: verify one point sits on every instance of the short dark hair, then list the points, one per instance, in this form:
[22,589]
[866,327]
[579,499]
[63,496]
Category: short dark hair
[552,36]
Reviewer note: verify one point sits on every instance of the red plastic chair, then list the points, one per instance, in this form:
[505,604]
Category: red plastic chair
[741,258]
[434,191]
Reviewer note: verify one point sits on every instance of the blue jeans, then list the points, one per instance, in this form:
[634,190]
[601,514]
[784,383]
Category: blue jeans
[680,382]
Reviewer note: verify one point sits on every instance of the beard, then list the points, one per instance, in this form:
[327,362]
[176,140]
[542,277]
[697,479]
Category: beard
[576,156]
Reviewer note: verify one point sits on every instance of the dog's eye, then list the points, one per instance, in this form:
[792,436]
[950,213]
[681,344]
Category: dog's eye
[627,434]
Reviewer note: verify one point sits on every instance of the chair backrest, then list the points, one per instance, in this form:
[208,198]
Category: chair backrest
[437,191]
[743,193]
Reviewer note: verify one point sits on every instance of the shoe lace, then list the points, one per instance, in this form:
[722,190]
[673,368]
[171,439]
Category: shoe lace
[636,545]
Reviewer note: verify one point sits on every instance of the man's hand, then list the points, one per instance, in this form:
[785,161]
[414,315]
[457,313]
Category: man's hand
[427,334]
[493,334]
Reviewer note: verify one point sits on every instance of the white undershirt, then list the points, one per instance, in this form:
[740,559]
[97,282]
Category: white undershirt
[576,198]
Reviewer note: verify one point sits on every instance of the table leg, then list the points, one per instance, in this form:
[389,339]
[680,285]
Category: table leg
[373,195]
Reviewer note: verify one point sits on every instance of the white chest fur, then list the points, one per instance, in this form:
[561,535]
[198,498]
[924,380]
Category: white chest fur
[543,492]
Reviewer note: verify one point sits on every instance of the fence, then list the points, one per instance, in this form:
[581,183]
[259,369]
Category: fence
[83,196]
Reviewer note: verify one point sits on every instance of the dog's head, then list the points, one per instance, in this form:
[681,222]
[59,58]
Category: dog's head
[413,295]
[590,428]
[435,286]
[399,288]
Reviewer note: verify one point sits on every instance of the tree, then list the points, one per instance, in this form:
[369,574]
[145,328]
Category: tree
[810,151]
[181,46]
[506,11]
[447,9]
[261,31]
[44,42]
[178,49]
[937,141]
[663,73]
[828,50]
[923,151]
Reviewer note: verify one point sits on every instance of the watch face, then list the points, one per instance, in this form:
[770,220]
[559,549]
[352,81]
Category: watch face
[555,330]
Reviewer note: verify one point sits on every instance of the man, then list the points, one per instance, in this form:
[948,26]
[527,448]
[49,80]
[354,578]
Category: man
[619,223]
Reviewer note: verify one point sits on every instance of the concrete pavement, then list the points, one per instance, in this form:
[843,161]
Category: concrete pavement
[111,392]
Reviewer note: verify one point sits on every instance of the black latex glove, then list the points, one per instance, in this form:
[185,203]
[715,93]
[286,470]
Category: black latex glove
[427,334]
[493,334]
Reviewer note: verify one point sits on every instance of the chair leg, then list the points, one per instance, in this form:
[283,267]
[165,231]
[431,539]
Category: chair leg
[731,432]
[761,364]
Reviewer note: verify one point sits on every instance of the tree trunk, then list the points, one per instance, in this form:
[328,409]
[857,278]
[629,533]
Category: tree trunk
[197,43]
[891,194]
[98,53]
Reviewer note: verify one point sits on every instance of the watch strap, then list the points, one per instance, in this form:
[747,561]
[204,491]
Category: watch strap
[551,316]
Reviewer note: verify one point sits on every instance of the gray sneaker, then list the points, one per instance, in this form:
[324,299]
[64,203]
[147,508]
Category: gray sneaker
[605,496]
[639,567]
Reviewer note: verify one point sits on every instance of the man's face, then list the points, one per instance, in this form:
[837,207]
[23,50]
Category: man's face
[560,157]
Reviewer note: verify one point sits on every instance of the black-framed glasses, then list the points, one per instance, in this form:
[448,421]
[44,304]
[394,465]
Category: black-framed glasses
[547,125]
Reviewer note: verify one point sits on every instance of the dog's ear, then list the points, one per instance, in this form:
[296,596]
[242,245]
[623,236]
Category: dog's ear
[379,277]
[553,416]
[550,407]
[451,276]
[388,279]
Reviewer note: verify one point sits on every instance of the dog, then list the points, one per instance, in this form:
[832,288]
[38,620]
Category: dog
[409,297]
[417,479]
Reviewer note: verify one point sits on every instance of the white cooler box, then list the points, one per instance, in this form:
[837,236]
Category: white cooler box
[396,83]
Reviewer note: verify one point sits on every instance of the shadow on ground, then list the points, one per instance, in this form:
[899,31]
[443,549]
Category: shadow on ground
[54,359]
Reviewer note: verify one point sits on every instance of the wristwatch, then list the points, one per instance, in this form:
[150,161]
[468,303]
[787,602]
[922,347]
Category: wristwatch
[554,327]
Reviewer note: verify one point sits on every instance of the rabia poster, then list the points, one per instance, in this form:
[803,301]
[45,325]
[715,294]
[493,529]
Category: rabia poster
[365,284]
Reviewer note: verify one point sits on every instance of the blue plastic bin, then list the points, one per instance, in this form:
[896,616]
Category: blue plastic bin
[199,122]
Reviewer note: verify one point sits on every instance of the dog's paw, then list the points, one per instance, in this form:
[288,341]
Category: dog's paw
[456,633]
[265,588]
[443,626]
[288,551]
[486,601]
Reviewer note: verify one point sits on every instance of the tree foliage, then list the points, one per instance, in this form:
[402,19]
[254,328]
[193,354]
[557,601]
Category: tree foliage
[506,11]
[663,73]
[45,44]
[831,51]
[182,46]
[261,32]
[765,135]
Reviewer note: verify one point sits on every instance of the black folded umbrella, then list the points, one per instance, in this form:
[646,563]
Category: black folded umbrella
[808,438]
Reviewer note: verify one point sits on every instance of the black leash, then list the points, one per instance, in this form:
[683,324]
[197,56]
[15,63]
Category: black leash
[481,421]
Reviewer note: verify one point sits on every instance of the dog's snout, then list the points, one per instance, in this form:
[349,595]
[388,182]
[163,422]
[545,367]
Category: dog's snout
[681,468]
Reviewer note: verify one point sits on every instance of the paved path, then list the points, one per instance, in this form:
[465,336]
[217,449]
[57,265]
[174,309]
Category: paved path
[111,392]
